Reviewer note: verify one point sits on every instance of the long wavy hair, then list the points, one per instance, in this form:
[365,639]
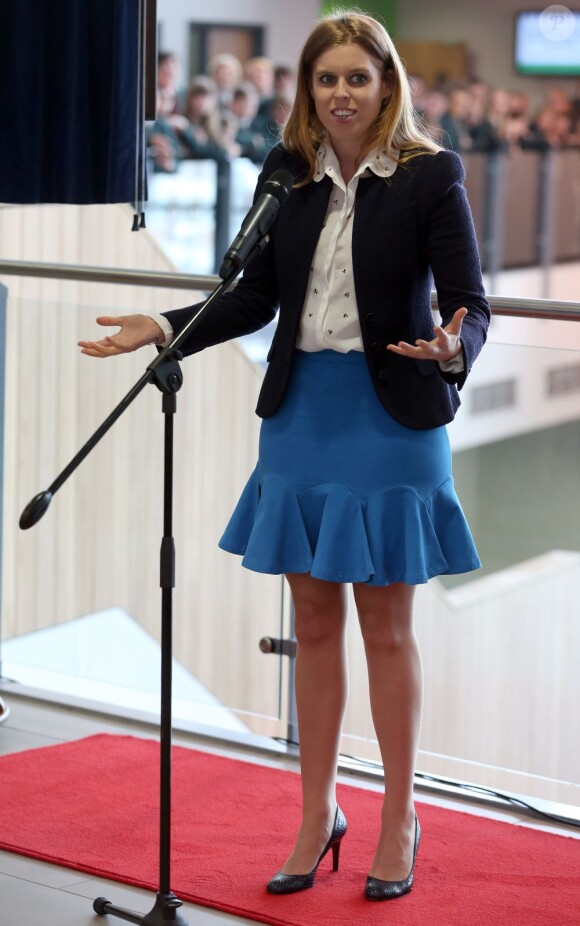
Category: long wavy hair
[397,129]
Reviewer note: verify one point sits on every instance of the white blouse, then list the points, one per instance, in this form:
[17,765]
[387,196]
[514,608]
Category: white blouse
[330,319]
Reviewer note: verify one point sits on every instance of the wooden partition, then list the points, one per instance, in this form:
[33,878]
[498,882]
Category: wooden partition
[98,544]
[476,189]
[500,657]
[566,205]
[521,208]
[525,204]
[435,61]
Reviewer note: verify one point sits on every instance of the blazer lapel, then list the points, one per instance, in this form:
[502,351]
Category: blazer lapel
[296,236]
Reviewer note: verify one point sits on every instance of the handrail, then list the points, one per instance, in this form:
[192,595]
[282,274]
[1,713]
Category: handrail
[501,305]
[530,308]
[126,276]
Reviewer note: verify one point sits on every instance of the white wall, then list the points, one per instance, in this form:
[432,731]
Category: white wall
[286,25]
[487,29]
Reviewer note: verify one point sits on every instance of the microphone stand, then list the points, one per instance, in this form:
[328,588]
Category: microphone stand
[165,373]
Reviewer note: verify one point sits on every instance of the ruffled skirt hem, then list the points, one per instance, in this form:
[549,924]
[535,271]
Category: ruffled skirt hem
[325,530]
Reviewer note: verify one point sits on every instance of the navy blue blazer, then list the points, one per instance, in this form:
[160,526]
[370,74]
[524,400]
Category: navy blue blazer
[410,230]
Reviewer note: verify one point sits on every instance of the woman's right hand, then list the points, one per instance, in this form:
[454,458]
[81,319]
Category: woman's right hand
[135,331]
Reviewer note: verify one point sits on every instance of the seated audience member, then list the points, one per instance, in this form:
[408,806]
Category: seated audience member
[203,133]
[488,132]
[163,150]
[455,123]
[519,105]
[245,103]
[480,92]
[575,135]
[467,128]
[204,136]
[260,72]
[280,110]
[226,72]
[516,133]
[558,101]
[562,136]
[435,106]
[550,129]
[566,132]
[497,113]
[228,134]
[163,137]
[284,81]
[269,122]
[418,86]
[516,128]
[170,95]
[244,106]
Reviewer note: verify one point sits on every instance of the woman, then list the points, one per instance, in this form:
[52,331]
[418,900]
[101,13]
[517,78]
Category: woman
[204,135]
[353,483]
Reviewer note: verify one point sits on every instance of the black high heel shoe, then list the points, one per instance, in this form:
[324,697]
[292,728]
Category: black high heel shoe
[291,884]
[385,890]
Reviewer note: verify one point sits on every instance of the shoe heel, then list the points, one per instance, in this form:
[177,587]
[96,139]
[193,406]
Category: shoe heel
[290,884]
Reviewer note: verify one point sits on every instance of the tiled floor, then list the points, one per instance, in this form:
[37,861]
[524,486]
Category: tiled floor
[34,893]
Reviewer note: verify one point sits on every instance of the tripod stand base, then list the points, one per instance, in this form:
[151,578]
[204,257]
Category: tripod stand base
[164,912]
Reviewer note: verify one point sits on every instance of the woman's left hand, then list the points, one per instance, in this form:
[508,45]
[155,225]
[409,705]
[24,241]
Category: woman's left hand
[445,345]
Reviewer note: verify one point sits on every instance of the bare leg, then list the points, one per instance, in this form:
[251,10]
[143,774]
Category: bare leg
[396,686]
[321,693]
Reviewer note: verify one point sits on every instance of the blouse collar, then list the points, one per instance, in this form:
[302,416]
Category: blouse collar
[376,160]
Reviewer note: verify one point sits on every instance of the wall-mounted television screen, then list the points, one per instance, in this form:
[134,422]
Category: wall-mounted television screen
[547,42]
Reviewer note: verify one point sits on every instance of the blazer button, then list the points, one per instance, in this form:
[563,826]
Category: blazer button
[383,374]
[370,316]
[376,346]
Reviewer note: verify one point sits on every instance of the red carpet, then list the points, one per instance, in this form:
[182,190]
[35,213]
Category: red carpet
[92,805]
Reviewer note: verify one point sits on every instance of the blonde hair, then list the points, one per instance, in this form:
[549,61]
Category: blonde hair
[397,130]
[229,61]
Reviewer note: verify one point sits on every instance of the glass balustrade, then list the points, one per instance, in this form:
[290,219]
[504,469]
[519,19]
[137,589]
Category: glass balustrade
[80,593]
[81,609]
[501,646]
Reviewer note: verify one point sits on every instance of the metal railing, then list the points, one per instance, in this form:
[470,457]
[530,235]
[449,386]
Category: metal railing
[501,305]
[127,277]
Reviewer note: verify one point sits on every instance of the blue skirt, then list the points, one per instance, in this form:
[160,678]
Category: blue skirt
[343,491]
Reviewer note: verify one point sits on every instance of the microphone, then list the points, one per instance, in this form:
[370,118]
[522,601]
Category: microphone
[257,222]
[35,509]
